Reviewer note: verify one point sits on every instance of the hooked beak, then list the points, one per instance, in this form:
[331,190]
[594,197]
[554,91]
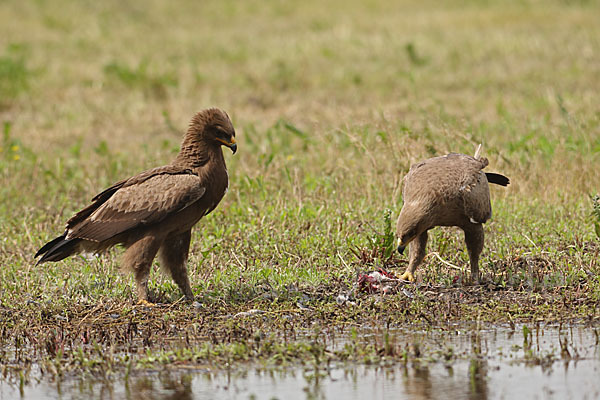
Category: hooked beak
[401,246]
[232,145]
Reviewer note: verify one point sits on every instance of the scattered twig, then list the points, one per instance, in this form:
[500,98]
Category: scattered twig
[435,253]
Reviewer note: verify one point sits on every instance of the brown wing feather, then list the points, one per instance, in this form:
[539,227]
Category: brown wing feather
[442,177]
[451,179]
[476,199]
[106,194]
[103,196]
[97,201]
[142,200]
[473,186]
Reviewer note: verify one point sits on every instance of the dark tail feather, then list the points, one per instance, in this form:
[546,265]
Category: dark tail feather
[498,179]
[49,245]
[57,249]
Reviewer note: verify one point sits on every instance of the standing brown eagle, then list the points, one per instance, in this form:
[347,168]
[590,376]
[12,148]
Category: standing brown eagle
[154,211]
[451,190]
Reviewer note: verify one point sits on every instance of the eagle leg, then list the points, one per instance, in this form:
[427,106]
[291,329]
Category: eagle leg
[173,257]
[474,240]
[138,258]
[417,254]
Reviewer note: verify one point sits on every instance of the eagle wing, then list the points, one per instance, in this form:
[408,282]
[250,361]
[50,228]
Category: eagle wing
[451,179]
[474,188]
[145,199]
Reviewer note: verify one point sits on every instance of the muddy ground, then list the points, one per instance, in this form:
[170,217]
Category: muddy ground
[297,325]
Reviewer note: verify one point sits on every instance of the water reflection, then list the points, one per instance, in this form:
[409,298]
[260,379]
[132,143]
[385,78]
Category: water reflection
[482,364]
[478,368]
[165,386]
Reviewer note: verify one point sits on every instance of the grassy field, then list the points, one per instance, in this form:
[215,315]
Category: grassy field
[332,102]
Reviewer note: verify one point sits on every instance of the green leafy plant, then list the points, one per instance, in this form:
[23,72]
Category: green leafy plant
[413,56]
[13,78]
[387,238]
[141,77]
[381,243]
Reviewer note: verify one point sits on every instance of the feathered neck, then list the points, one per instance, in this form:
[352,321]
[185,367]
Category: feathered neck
[195,152]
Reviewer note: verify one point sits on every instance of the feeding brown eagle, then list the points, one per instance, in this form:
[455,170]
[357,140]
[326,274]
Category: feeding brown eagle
[451,190]
[154,211]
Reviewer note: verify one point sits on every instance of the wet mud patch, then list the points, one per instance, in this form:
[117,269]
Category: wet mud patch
[461,361]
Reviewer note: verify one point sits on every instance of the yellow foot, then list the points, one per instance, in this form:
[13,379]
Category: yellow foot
[407,276]
[145,303]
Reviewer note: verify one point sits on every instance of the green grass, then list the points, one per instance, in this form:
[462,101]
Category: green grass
[332,102]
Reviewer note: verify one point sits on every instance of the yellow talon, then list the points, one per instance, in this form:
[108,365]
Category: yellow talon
[145,303]
[407,276]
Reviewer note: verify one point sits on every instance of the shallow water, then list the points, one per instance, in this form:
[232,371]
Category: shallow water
[494,363]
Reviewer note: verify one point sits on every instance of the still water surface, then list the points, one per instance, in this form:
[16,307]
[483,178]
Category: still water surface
[496,363]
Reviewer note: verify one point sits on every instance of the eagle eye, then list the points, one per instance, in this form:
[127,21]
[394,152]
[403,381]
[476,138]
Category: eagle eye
[222,133]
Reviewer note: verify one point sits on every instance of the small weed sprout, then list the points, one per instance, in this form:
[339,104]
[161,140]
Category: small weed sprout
[386,239]
[596,214]
[381,244]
